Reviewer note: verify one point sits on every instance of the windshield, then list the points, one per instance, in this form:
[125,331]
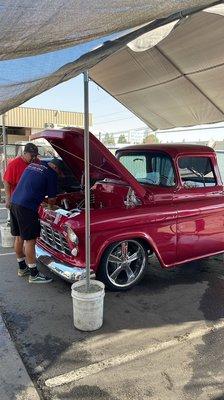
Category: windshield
[150,168]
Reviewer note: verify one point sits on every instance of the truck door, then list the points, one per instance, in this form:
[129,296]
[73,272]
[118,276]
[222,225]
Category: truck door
[200,209]
[155,170]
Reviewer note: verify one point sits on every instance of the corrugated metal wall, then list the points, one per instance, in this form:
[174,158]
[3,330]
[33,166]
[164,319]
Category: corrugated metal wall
[37,117]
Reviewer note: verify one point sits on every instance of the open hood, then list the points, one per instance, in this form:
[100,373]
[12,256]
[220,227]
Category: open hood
[69,144]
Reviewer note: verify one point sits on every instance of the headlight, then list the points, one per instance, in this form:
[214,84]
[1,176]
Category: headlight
[72,236]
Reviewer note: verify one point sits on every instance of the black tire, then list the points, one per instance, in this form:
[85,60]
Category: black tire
[123,265]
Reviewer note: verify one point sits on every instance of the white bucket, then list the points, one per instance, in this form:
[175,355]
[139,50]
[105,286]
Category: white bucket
[7,238]
[88,306]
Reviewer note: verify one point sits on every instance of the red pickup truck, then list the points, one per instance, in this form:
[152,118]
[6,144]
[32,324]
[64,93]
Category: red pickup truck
[161,199]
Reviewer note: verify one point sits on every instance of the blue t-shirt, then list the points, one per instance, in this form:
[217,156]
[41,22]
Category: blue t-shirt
[37,182]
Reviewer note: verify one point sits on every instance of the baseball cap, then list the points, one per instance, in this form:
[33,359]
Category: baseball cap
[31,148]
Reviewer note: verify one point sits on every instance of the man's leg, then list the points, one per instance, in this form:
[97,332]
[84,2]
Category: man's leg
[29,246]
[18,246]
[35,276]
[29,227]
[20,256]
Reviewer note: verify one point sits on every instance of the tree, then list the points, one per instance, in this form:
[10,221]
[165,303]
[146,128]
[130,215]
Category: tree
[150,139]
[122,139]
[109,139]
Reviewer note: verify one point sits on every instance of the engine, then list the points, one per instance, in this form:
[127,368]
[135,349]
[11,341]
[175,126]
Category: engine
[104,194]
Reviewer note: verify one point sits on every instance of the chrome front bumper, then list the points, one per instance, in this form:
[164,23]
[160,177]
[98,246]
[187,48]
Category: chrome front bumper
[65,271]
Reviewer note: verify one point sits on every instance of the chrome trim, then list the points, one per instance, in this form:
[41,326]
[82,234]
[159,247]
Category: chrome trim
[54,238]
[65,271]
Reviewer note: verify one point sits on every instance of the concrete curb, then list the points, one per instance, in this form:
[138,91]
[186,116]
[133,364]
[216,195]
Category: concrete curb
[15,383]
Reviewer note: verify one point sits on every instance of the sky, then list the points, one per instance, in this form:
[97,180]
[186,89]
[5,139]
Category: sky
[108,114]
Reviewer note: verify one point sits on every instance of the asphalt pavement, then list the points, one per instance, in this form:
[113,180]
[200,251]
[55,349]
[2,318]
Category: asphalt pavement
[162,340]
[15,382]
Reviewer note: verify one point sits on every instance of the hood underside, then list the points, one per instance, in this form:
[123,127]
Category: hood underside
[69,144]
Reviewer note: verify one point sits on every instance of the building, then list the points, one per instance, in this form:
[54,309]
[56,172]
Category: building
[21,122]
[201,134]
[132,136]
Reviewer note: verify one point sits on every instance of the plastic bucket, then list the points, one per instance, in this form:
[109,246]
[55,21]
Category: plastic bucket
[88,306]
[7,238]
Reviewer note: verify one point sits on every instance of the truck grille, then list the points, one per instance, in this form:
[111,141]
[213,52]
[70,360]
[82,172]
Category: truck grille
[54,239]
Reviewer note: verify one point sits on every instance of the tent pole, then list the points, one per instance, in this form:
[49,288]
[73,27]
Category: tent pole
[4,143]
[87,181]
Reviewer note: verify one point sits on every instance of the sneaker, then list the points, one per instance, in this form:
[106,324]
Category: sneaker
[24,272]
[39,279]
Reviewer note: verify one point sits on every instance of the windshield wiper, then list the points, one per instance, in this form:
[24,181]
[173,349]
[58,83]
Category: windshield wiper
[199,174]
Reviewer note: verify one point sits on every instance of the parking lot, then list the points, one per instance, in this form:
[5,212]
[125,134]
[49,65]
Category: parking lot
[161,340]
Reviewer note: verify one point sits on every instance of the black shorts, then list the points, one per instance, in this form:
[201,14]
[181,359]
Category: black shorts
[24,222]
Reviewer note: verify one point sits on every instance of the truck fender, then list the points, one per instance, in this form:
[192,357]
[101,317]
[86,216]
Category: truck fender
[124,236]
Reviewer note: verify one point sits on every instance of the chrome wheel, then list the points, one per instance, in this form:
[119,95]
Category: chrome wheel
[124,264]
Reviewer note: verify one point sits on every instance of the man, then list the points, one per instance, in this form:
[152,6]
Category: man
[37,182]
[12,175]
[16,168]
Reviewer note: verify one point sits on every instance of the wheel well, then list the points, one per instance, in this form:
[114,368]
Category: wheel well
[142,241]
[145,244]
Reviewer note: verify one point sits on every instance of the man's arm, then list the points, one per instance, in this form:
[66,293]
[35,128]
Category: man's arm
[51,202]
[52,189]
[9,181]
[7,187]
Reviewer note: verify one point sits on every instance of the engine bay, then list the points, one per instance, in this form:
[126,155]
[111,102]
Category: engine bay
[103,194]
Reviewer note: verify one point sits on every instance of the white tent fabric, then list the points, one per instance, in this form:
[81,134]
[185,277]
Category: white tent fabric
[178,82]
[152,38]
[44,43]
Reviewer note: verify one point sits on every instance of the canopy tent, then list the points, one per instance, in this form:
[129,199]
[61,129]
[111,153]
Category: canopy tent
[44,45]
[178,81]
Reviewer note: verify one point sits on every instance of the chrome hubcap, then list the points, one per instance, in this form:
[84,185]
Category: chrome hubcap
[125,263]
